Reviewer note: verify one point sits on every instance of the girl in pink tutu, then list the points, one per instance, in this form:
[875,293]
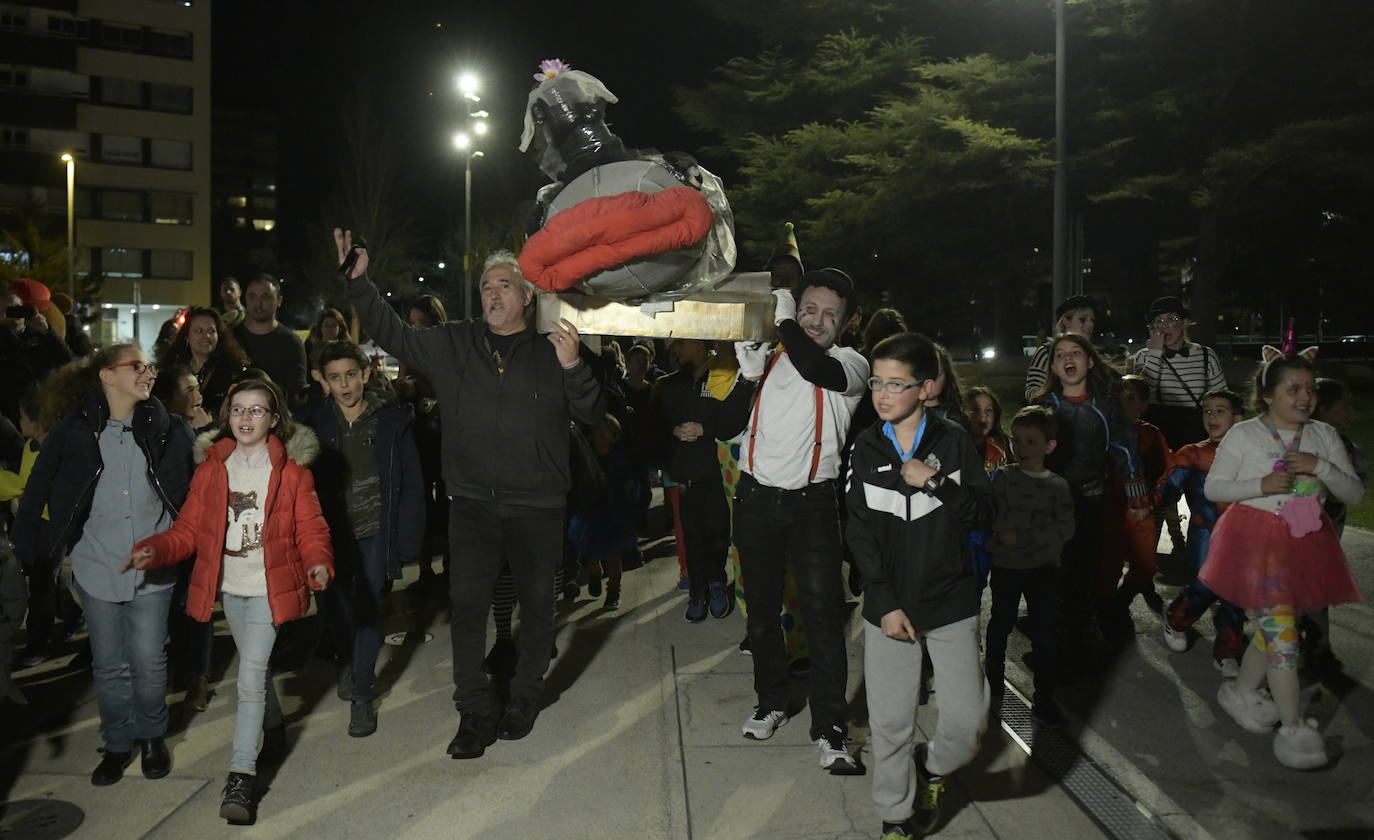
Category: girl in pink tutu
[1274,553]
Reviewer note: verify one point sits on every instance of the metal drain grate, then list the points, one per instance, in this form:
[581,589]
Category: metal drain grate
[39,819]
[1100,797]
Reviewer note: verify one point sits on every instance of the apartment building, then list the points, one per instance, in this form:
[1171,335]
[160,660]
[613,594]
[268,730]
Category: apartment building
[123,86]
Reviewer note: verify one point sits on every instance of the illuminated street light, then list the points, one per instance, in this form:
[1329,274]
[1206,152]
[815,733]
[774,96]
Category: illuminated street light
[461,141]
[479,127]
[71,224]
[467,86]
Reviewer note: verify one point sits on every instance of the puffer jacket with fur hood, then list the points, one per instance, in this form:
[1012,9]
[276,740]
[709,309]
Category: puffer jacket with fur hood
[294,536]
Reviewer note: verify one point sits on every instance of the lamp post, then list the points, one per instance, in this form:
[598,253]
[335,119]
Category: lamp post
[467,86]
[71,224]
[1061,199]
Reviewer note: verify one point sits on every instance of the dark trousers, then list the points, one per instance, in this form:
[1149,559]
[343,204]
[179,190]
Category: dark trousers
[1040,587]
[192,642]
[706,530]
[355,608]
[774,528]
[485,539]
[1082,559]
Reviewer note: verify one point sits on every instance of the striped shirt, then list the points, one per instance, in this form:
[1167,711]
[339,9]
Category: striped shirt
[1180,380]
[1039,371]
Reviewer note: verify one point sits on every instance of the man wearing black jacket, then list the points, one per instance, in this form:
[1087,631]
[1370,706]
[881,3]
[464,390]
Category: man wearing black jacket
[785,503]
[506,396]
[686,421]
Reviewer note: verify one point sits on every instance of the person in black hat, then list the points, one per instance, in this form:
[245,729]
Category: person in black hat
[1178,372]
[1076,314]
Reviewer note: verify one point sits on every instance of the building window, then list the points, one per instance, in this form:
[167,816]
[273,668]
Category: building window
[115,148]
[51,140]
[116,37]
[175,264]
[71,27]
[169,42]
[237,201]
[264,224]
[264,185]
[172,208]
[121,206]
[61,82]
[13,77]
[240,221]
[171,154]
[125,92]
[14,138]
[121,262]
[175,99]
[264,202]
[14,19]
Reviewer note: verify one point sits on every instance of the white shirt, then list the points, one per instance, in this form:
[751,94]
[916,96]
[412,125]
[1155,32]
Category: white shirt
[1248,453]
[786,436]
[248,482]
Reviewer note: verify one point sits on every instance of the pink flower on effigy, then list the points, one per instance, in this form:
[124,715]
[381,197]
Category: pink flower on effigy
[550,68]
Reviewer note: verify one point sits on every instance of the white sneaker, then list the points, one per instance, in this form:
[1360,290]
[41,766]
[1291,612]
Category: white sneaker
[834,747]
[1174,640]
[1229,668]
[1300,747]
[761,725]
[1253,710]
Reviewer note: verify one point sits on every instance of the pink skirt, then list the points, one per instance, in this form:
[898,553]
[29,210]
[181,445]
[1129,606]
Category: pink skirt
[1254,562]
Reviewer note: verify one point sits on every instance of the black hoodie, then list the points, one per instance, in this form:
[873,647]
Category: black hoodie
[912,547]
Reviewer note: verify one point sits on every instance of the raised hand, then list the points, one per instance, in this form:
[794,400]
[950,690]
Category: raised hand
[566,342]
[343,243]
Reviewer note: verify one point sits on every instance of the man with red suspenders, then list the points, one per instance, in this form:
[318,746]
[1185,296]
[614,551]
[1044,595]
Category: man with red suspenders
[785,503]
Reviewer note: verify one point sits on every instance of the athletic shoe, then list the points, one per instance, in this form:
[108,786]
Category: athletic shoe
[1229,668]
[834,748]
[1253,710]
[1300,747]
[761,725]
[612,598]
[683,584]
[1174,640]
[928,790]
[745,648]
[895,831]
[696,610]
[362,719]
[721,602]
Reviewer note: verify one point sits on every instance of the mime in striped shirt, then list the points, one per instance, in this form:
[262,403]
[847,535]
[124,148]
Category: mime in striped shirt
[1076,314]
[1178,371]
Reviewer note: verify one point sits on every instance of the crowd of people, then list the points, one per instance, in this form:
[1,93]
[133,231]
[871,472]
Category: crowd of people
[246,467]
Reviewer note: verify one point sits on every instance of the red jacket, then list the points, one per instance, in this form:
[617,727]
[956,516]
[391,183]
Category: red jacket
[295,537]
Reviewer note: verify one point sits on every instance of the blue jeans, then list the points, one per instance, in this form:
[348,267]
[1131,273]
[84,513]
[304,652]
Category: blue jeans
[368,580]
[250,622]
[129,665]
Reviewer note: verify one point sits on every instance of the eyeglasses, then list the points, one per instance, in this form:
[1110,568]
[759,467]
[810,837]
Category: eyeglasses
[893,387]
[140,368]
[257,412]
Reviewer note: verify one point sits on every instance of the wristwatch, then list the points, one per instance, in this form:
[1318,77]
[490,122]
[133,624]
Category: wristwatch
[934,483]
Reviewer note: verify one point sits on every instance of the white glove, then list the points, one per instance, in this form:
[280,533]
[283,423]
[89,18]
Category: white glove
[784,306]
[752,356]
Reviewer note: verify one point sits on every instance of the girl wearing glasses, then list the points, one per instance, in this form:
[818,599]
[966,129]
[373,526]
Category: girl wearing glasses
[253,523]
[113,471]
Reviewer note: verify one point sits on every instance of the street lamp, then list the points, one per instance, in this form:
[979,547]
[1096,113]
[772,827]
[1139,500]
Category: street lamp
[464,144]
[71,224]
[1061,188]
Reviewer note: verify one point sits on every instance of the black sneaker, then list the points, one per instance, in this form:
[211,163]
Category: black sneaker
[518,719]
[362,719]
[237,806]
[721,602]
[344,686]
[696,610]
[475,734]
[157,761]
[111,768]
[612,598]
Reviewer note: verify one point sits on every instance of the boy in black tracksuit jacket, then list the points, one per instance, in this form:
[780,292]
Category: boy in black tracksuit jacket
[916,488]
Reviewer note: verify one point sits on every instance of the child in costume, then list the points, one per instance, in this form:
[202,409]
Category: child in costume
[985,416]
[260,542]
[1274,551]
[1185,476]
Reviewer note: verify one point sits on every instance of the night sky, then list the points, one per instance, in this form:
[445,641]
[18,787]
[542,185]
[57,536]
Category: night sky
[302,59]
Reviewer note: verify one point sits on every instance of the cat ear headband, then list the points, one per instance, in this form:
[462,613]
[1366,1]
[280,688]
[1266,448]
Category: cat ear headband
[1271,354]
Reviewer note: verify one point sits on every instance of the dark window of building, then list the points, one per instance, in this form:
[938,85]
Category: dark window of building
[175,99]
[264,202]
[121,262]
[14,137]
[121,206]
[118,37]
[115,148]
[176,264]
[171,154]
[171,208]
[125,92]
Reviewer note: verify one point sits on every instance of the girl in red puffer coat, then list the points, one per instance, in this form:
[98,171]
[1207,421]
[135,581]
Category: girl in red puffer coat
[253,522]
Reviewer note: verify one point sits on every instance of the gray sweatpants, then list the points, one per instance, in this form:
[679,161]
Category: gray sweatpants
[892,676]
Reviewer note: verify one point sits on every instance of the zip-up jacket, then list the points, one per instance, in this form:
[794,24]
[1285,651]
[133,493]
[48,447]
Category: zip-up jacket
[69,465]
[912,546]
[682,397]
[1094,436]
[294,535]
[402,514]
[505,434]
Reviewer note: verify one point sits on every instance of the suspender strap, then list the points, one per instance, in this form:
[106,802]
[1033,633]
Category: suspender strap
[754,423]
